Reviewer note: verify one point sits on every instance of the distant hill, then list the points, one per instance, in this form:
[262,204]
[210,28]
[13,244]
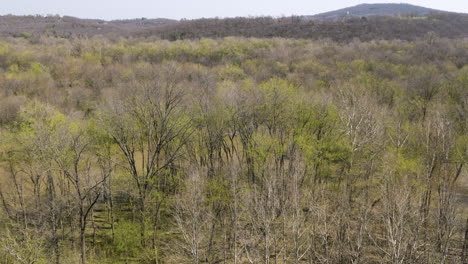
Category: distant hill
[365,10]
[68,26]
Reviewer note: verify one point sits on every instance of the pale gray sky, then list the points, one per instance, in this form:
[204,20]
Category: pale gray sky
[177,9]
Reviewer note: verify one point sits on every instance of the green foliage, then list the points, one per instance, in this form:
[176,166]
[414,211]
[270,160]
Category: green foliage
[218,192]
[91,57]
[232,73]
[276,106]
[22,247]
[460,152]
[265,147]
[37,115]
[126,243]
[319,136]
[4,48]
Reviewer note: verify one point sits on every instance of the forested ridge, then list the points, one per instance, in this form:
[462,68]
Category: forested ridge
[447,25]
[380,24]
[233,150]
[380,9]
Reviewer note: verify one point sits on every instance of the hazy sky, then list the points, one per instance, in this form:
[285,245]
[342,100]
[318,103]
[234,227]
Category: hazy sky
[177,9]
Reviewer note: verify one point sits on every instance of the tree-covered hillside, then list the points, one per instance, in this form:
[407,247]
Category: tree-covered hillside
[365,10]
[385,26]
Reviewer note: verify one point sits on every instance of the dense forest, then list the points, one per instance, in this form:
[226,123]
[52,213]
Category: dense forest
[233,150]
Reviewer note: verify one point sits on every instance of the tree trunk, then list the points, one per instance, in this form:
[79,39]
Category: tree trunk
[111,211]
[82,246]
[55,239]
[82,236]
[93,223]
[464,256]
[142,220]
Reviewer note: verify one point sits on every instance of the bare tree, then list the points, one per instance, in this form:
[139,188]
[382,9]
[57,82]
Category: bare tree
[76,164]
[150,129]
[192,218]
